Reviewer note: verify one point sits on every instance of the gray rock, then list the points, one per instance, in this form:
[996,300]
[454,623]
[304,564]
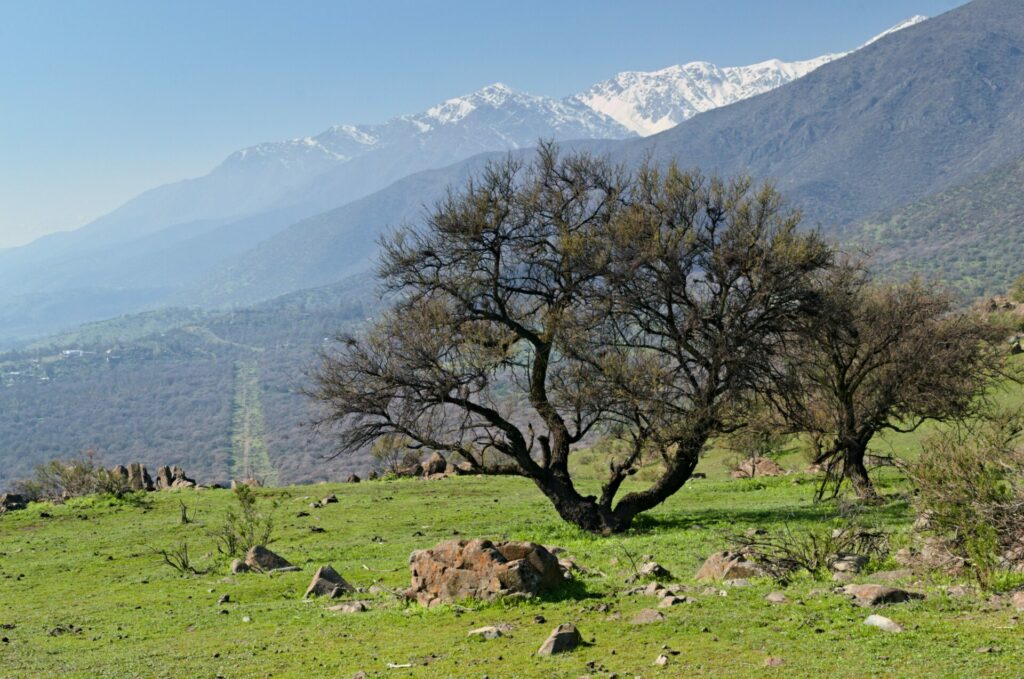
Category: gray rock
[883,623]
[259,558]
[652,569]
[848,563]
[239,566]
[327,582]
[776,598]
[350,607]
[488,632]
[876,595]
[563,638]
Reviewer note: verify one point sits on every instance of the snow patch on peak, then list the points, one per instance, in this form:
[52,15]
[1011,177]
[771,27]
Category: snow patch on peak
[648,102]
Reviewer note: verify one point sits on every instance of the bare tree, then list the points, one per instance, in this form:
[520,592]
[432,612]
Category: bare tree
[648,306]
[884,357]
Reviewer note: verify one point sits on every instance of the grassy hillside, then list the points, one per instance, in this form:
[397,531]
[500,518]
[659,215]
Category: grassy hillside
[134,616]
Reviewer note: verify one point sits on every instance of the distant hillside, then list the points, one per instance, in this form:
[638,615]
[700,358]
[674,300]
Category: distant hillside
[970,237]
[173,387]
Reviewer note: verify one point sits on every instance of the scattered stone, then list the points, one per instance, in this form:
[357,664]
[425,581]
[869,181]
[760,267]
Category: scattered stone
[987,649]
[259,558]
[653,569]
[539,619]
[883,623]
[762,466]
[481,569]
[246,618]
[754,532]
[736,582]
[239,566]
[661,660]
[876,595]
[848,563]
[776,598]
[488,632]
[728,566]
[1018,600]
[647,616]
[372,476]
[773,661]
[350,607]
[354,478]
[563,638]
[327,582]
[671,600]
[959,591]
[224,598]
[435,465]
[329,500]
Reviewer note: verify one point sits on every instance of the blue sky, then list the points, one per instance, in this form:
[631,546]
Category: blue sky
[100,99]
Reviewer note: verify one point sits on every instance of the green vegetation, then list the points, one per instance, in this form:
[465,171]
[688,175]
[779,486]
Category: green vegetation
[249,456]
[134,615]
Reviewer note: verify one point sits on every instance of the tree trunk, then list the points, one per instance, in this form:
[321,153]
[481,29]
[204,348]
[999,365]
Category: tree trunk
[857,472]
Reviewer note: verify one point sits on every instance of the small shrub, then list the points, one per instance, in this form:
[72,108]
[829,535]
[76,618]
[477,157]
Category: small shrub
[784,553]
[245,528]
[969,484]
[178,559]
[58,480]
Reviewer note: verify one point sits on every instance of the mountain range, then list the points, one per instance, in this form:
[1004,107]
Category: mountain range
[180,243]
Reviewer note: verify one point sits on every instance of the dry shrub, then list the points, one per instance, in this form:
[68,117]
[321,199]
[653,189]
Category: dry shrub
[61,479]
[970,486]
[789,551]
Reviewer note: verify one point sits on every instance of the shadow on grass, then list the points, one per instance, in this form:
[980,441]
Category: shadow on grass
[891,511]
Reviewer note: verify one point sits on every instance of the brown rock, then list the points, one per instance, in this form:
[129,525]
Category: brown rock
[138,477]
[728,566]
[647,616]
[259,558]
[652,569]
[435,465]
[762,466]
[481,569]
[164,478]
[563,638]
[327,582]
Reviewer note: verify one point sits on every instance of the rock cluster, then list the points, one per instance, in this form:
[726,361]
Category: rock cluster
[137,477]
[762,466]
[481,569]
[728,566]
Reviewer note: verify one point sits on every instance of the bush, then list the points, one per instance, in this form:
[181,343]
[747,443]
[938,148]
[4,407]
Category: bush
[245,528]
[970,490]
[61,479]
[812,550]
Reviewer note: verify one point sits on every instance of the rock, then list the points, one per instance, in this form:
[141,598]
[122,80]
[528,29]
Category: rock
[10,502]
[563,638]
[410,470]
[488,632]
[661,660]
[481,569]
[647,616]
[372,476]
[239,566]
[179,480]
[329,500]
[259,558]
[737,582]
[848,563]
[350,607]
[882,623]
[138,477]
[120,472]
[464,468]
[773,661]
[352,478]
[435,465]
[1018,600]
[671,600]
[876,595]
[776,598]
[762,466]
[728,566]
[327,582]
[224,598]
[652,569]
[164,478]
[934,554]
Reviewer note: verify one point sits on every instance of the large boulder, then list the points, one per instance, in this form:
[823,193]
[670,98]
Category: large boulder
[138,477]
[327,582]
[259,558]
[11,501]
[164,478]
[762,466]
[481,569]
[728,566]
[179,480]
[435,465]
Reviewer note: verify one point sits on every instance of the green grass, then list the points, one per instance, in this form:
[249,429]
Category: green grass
[90,565]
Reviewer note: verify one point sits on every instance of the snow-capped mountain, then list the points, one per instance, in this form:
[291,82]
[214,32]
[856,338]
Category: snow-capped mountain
[647,102]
